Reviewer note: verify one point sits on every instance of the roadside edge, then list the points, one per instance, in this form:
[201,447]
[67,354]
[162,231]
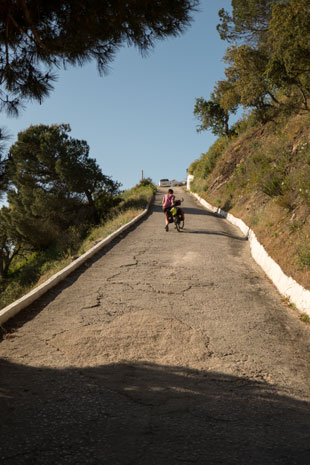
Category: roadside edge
[286,285]
[15,307]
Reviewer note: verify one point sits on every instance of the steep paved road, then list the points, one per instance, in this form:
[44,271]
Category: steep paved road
[165,349]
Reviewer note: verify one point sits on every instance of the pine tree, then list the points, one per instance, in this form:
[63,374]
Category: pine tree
[3,160]
[54,184]
[248,22]
[11,241]
[39,36]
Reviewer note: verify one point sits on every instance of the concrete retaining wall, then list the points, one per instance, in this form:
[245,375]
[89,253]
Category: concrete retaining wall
[18,305]
[286,285]
[189,179]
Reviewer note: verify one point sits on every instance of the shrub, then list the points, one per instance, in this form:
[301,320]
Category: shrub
[192,167]
[287,200]
[303,184]
[202,167]
[305,317]
[303,255]
[272,185]
[145,182]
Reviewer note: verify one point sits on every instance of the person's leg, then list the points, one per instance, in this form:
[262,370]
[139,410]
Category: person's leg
[166,217]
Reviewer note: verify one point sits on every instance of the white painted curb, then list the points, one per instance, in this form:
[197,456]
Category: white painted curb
[286,285]
[189,179]
[18,305]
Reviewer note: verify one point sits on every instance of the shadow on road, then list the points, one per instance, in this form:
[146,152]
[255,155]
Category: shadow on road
[216,233]
[189,211]
[146,414]
[198,211]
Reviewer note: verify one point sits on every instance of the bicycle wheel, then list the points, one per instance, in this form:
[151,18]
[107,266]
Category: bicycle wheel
[180,218]
[177,224]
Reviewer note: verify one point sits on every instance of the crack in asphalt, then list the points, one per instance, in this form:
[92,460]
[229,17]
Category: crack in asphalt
[114,275]
[122,283]
[99,297]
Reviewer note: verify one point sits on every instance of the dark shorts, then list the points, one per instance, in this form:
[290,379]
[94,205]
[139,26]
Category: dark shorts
[166,212]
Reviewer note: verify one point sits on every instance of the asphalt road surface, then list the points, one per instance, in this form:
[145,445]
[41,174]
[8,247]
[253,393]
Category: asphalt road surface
[165,349]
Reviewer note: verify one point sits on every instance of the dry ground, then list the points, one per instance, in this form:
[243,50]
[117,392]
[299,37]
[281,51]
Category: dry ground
[165,349]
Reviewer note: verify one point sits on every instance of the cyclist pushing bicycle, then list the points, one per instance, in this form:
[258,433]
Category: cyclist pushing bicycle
[172,211]
[168,201]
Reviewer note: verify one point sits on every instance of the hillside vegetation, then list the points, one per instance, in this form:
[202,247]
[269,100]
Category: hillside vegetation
[262,175]
[259,168]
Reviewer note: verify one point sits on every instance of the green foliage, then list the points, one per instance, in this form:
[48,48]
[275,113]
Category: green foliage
[146,182]
[303,254]
[255,220]
[39,37]
[11,242]
[272,184]
[305,317]
[248,120]
[289,42]
[288,199]
[54,185]
[295,226]
[204,166]
[214,113]
[137,197]
[211,116]
[4,137]
[26,273]
[248,22]
[192,167]
[268,65]
[303,184]
[226,95]
[249,78]
[104,202]
[56,192]
[247,72]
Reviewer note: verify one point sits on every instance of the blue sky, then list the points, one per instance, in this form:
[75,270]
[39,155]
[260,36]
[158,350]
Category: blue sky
[139,116]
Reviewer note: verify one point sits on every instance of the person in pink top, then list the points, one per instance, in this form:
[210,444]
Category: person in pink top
[168,201]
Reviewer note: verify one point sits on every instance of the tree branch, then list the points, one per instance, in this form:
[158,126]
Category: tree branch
[33,30]
[273,98]
[7,41]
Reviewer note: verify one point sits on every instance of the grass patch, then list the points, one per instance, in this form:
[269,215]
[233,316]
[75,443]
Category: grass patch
[305,317]
[255,220]
[303,255]
[99,233]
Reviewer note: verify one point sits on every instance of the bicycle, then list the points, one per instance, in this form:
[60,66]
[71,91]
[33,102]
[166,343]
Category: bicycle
[176,215]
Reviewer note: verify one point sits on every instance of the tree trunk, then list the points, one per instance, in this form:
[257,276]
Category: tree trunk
[226,120]
[6,260]
[273,98]
[91,203]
